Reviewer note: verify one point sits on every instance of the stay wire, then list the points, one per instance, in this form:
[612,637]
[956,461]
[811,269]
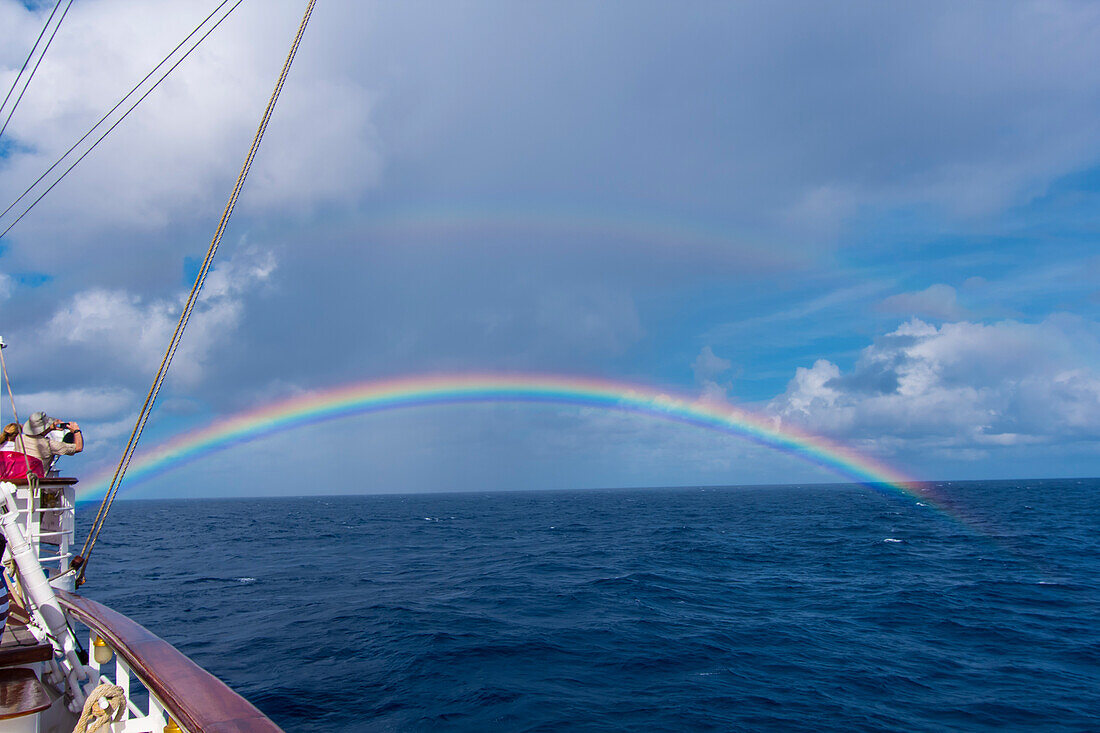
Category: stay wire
[112,109]
[120,119]
[30,55]
[185,316]
[15,417]
[36,65]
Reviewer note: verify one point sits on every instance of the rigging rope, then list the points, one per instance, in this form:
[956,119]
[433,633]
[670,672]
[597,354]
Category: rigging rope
[117,104]
[30,55]
[112,127]
[80,562]
[36,65]
[32,478]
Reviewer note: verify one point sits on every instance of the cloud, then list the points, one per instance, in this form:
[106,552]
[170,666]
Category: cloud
[707,368]
[893,121]
[834,301]
[961,385]
[708,365]
[899,107]
[596,319]
[7,285]
[120,329]
[176,156]
[936,301]
[84,403]
[919,105]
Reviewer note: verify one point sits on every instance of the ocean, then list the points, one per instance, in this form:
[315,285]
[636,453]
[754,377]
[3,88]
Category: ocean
[793,608]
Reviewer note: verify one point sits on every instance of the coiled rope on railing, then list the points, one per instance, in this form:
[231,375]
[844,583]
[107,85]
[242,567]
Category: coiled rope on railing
[80,562]
[104,705]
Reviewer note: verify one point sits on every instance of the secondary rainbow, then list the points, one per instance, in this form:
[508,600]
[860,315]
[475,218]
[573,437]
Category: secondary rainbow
[449,389]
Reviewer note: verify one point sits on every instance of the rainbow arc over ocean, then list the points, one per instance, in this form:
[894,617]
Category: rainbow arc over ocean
[451,389]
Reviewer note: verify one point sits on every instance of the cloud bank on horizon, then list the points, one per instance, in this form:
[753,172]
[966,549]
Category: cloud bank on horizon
[873,222]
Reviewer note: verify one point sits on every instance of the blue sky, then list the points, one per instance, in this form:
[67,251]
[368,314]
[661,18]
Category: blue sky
[875,222]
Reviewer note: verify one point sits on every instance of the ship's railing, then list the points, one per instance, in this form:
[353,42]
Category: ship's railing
[47,518]
[177,687]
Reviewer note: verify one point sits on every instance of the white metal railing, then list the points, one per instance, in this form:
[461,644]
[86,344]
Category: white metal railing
[47,517]
[39,524]
[134,720]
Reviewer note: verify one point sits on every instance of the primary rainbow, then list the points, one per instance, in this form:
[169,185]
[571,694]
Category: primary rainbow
[449,389]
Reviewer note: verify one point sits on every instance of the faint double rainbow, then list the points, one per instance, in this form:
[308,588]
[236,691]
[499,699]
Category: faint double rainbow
[450,389]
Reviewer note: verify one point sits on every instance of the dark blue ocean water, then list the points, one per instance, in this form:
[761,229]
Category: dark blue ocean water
[822,608]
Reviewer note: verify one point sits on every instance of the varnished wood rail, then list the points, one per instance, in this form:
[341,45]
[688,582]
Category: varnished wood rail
[196,699]
[46,482]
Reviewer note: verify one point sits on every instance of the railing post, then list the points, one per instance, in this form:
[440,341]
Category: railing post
[157,714]
[92,661]
[122,679]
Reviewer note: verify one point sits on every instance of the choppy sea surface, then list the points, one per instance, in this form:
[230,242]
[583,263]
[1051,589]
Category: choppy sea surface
[816,608]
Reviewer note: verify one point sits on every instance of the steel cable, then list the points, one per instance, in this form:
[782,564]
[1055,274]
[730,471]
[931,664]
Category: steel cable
[117,105]
[30,55]
[36,65]
[116,124]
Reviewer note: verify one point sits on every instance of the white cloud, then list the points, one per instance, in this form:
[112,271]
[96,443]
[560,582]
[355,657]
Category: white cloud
[937,301]
[708,365]
[6,286]
[86,403]
[177,155]
[123,329]
[957,386]
[823,209]
[837,300]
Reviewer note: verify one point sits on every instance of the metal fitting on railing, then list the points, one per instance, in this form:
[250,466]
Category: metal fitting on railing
[101,650]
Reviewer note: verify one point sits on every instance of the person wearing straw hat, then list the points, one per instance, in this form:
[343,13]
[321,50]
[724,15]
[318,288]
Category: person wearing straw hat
[13,463]
[35,443]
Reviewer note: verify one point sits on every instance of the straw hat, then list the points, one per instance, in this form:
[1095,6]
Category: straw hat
[37,424]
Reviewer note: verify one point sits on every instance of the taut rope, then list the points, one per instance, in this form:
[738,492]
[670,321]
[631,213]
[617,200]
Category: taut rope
[79,562]
[32,478]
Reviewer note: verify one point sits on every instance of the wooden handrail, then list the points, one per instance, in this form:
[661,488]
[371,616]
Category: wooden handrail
[48,481]
[196,699]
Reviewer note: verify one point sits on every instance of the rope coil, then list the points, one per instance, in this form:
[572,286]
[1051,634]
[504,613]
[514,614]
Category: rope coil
[105,705]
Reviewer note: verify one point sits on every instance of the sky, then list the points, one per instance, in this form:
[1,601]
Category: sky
[873,222]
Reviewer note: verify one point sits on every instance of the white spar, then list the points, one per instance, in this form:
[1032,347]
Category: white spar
[39,593]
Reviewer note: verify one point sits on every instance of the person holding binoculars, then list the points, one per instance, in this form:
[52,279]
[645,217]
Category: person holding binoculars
[28,449]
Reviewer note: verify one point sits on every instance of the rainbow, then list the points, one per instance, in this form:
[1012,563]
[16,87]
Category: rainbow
[449,389]
[565,221]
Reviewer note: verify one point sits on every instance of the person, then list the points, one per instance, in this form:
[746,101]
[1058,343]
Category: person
[13,464]
[34,443]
